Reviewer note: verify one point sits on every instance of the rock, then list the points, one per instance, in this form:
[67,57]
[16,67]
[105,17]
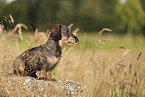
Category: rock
[12,85]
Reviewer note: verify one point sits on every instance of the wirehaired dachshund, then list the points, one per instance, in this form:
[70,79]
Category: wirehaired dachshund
[44,57]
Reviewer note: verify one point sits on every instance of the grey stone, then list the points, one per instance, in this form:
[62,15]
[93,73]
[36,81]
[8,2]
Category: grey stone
[18,86]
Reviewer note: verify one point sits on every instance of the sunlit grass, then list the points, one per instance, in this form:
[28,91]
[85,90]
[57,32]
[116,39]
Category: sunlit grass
[115,41]
[109,69]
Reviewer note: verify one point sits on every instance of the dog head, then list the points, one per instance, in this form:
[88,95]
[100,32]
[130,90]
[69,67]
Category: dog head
[56,33]
[63,33]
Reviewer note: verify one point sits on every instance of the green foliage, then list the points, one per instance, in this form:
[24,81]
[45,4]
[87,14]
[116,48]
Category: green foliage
[88,15]
[65,10]
[143,3]
[18,10]
[130,16]
[32,12]
[2,5]
[47,12]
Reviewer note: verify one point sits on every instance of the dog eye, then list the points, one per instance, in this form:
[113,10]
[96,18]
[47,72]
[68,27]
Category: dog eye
[67,31]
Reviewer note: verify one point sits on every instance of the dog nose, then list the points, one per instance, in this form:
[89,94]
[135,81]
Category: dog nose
[77,40]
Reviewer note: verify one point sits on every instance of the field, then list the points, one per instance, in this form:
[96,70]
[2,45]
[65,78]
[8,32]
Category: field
[109,65]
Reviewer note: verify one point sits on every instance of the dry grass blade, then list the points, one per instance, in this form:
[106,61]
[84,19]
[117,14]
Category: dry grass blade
[40,36]
[36,31]
[103,42]
[126,52]
[19,26]
[39,33]
[107,40]
[5,19]
[84,36]
[104,29]
[12,19]
[1,28]
[75,31]
[70,25]
[130,84]
[49,35]
[132,95]
[139,55]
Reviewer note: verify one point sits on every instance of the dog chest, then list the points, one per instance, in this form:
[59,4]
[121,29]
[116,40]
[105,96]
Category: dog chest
[52,60]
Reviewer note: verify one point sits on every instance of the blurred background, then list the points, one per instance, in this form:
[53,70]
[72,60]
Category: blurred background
[125,17]
[110,64]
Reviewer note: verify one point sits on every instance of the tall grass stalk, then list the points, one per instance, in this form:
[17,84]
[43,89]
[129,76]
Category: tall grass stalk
[107,73]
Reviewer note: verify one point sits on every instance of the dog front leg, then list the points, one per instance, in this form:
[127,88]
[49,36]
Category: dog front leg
[44,75]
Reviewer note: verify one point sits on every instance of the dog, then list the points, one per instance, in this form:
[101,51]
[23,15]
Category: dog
[44,57]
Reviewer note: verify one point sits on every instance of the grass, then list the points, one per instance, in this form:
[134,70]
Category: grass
[106,69]
[137,43]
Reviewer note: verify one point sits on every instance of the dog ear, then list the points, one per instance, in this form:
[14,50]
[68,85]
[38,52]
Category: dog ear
[56,32]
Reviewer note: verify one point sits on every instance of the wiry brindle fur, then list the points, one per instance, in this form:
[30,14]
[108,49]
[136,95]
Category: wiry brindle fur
[44,57]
